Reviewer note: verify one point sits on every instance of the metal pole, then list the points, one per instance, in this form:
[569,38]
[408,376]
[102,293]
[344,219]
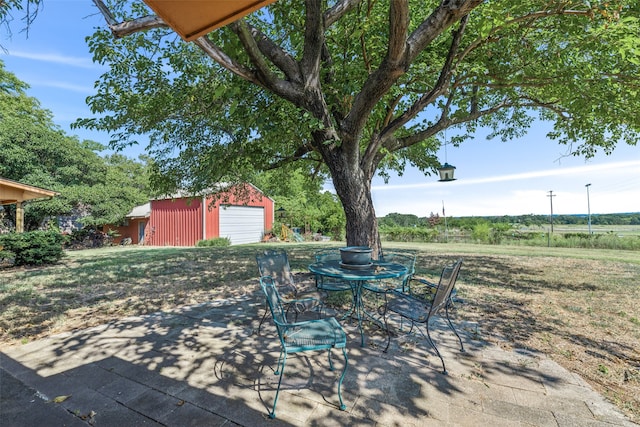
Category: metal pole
[551,196]
[588,208]
[446,229]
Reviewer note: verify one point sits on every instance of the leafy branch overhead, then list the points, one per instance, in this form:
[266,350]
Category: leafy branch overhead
[352,88]
[480,68]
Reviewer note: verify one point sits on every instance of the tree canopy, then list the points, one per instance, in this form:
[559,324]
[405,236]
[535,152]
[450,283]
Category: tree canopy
[34,151]
[351,88]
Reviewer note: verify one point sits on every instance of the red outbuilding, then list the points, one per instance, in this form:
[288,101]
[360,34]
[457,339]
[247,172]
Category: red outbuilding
[241,216]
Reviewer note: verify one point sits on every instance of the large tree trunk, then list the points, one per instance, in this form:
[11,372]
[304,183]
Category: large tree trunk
[353,188]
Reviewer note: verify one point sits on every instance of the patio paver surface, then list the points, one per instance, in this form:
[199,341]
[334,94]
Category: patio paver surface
[205,365]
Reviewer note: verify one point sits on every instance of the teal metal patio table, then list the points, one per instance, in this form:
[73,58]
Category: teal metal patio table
[357,275]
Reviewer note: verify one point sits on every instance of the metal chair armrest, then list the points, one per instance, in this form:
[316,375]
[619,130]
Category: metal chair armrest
[425,290]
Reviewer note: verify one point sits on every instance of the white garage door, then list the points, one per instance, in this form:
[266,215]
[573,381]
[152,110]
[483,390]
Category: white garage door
[242,224]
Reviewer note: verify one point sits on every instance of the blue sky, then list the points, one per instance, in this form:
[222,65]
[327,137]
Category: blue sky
[493,178]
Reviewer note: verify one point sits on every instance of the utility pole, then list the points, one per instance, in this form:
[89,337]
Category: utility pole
[446,229]
[588,208]
[551,196]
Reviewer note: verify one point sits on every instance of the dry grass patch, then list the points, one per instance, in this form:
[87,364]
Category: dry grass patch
[578,307]
[582,313]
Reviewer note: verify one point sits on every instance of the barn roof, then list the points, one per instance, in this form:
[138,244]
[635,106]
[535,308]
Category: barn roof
[142,211]
[217,188]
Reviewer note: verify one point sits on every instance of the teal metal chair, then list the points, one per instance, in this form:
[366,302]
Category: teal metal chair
[422,309]
[275,264]
[310,335]
[407,259]
[327,284]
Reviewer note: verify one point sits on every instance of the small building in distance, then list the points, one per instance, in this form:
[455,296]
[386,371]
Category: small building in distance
[242,215]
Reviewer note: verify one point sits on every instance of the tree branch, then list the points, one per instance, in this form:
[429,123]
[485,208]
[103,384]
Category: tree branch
[280,58]
[126,28]
[398,30]
[313,42]
[299,154]
[392,67]
[525,18]
[442,18]
[263,73]
[215,53]
[439,88]
[339,10]
[251,48]
[445,123]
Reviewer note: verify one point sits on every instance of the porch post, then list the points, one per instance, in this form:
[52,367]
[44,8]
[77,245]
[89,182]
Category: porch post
[19,217]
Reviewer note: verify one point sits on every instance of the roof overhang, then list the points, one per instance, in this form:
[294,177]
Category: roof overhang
[142,211]
[12,192]
[194,18]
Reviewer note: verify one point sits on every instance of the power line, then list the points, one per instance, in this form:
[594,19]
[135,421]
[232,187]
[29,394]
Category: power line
[620,186]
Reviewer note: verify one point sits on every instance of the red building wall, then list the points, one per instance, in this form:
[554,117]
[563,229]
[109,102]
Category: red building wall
[175,222]
[179,222]
[129,230]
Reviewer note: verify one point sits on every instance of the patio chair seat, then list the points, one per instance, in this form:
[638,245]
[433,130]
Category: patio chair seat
[315,335]
[411,307]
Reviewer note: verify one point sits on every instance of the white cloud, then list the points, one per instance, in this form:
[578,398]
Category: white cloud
[84,89]
[54,58]
[617,167]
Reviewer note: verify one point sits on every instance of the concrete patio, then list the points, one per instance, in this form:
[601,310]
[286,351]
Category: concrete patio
[206,366]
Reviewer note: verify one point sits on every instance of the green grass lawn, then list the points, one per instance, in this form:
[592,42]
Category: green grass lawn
[578,306]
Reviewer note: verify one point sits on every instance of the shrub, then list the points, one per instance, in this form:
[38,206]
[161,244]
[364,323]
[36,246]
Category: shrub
[34,247]
[90,237]
[481,232]
[6,258]
[408,234]
[217,242]
[499,232]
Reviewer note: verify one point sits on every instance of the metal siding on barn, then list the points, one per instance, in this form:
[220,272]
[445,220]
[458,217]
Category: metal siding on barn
[175,222]
[242,224]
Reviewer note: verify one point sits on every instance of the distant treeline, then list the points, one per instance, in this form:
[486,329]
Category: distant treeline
[410,220]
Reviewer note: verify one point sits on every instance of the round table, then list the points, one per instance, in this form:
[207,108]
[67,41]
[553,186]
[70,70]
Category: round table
[357,275]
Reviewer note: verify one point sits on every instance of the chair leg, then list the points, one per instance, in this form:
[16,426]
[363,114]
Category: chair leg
[349,312]
[343,407]
[283,358]
[433,344]
[386,328]
[320,309]
[446,311]
[280,361]
[264,316]
[330,360]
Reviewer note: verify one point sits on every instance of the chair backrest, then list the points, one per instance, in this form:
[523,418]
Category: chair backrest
[328,255]
[274,301]
[445,286]
[275,264]
[407,259]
